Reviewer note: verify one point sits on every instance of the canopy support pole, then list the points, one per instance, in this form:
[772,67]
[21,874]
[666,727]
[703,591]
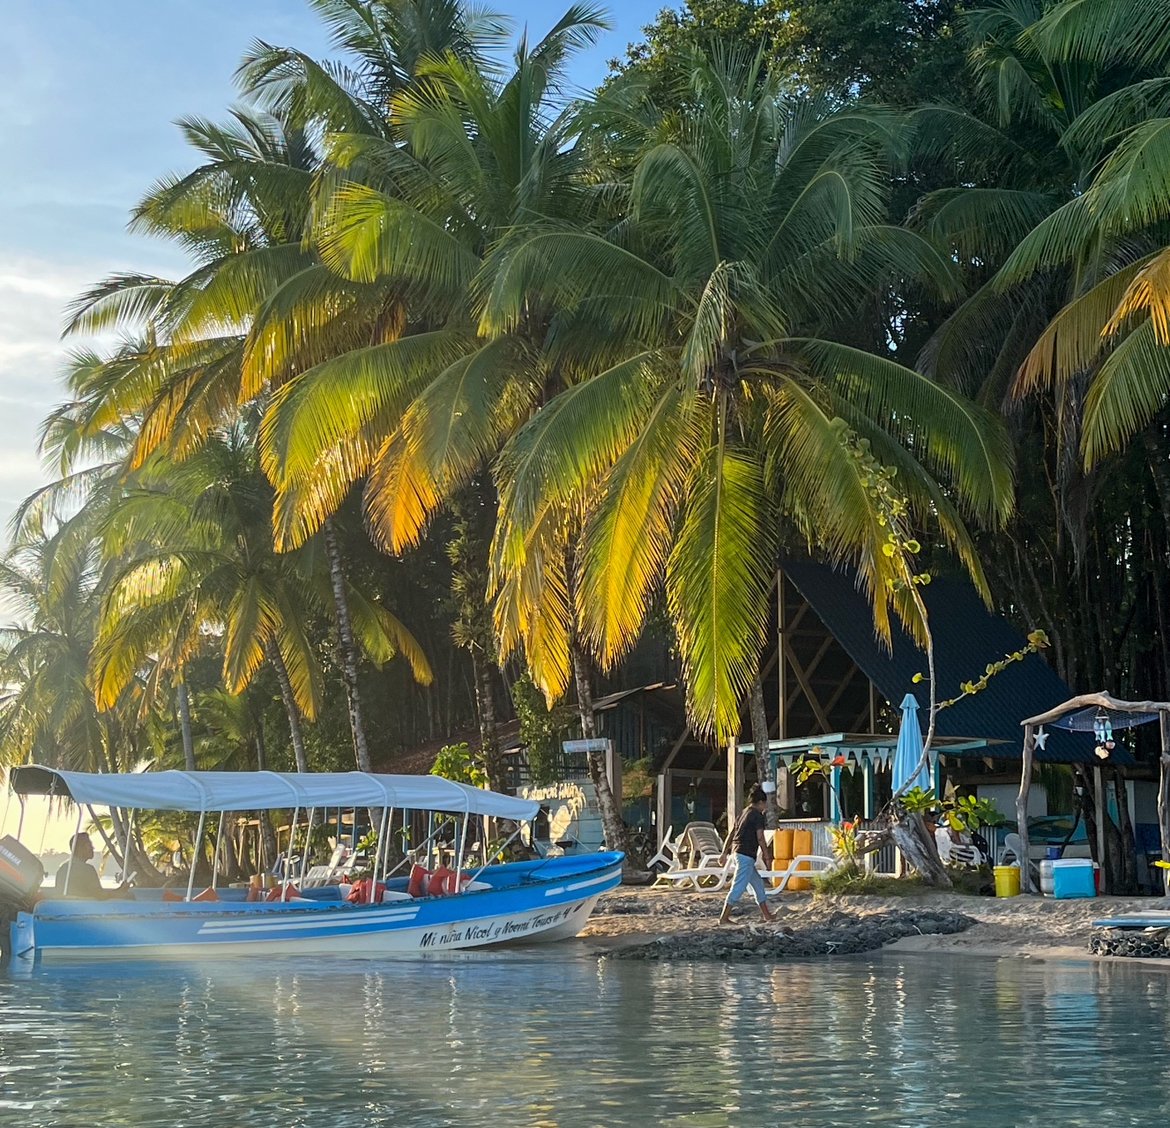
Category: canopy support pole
[508,842]
[462,848]
[214,856]
[378,847]
[305,852]
[286,869]
[1022,806]
[126,848]
[195,851]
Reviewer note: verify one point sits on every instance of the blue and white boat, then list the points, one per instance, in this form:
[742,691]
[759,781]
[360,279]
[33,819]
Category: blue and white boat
[516,902]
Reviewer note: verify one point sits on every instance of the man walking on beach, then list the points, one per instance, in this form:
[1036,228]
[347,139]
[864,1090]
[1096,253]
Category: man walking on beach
[747,839]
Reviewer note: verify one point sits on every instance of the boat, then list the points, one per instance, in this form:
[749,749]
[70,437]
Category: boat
[540,900]
[1155,918]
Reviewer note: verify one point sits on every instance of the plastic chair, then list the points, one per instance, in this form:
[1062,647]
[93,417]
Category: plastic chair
[669,853]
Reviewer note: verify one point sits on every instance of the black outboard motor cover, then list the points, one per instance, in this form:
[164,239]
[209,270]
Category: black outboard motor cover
[21,872]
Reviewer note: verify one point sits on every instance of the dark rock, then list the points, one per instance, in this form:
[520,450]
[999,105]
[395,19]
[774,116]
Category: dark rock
[839,934]
[1142,943]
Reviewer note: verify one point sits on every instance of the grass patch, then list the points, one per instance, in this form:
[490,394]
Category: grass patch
[849,881]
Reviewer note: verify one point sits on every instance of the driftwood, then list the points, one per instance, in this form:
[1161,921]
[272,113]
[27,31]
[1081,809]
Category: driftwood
[1105,701]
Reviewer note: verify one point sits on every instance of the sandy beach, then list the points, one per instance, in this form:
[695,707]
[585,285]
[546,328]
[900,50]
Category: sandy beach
[1026,927]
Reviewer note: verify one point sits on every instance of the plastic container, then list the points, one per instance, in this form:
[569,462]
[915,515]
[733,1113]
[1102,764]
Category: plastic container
[782,846]
[801,844]
[1007,881]
[1052,853]
[1073,877]
[1046,876]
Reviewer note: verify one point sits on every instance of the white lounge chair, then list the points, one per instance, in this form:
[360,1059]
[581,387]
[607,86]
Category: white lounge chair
[956,853]
[331,872]
[817,865]
[669,853]
[711,874]
[1012,850]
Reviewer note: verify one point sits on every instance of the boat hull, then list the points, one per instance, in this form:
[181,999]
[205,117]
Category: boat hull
[526,902]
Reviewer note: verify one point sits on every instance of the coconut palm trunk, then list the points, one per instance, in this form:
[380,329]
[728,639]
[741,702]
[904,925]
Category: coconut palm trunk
[185,727]
[348,648]
[616,835]
[267,846]
[485,705]
[290,707]
[759,720]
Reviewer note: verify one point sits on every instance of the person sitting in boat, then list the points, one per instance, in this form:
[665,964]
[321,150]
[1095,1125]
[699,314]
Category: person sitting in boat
[77,878]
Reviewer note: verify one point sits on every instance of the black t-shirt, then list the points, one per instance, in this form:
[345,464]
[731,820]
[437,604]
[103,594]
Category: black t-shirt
[82,882]
[746,837]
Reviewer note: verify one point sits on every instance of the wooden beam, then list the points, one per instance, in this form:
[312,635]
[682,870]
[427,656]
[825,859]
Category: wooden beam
[1022,804]
[842,686]
[802,681]
[1099,788]
[675,749]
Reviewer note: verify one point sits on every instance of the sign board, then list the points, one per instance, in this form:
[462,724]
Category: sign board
[597,744]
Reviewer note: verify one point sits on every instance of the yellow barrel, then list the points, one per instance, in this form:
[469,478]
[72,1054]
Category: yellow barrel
[801,844]
[1007,881]
[781,851]
[782,846]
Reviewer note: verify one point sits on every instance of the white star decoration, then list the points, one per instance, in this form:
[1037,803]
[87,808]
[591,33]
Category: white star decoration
[1041,738]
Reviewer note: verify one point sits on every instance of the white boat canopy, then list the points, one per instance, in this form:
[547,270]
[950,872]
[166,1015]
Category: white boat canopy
[258,791]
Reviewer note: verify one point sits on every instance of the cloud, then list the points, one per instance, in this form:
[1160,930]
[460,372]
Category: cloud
[33,295]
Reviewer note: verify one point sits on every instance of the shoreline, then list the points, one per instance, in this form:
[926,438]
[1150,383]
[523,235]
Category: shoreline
[1025,927]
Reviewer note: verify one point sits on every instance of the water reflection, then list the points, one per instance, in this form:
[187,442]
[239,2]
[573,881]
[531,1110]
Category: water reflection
[551,1040]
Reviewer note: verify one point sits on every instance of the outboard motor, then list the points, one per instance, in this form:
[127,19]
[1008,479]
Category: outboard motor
[21,874]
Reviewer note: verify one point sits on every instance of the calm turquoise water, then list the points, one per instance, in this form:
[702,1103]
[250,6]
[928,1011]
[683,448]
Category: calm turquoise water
[562,1039]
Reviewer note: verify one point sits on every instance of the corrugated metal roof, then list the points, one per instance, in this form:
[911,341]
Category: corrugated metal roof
[966,638]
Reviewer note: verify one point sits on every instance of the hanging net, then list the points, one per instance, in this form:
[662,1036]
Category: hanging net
[1085,720]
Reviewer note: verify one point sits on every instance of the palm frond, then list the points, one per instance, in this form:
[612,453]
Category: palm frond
[949,433]
[1129,389]
[718,578]
[315,418]
[627,537]
[1074,339]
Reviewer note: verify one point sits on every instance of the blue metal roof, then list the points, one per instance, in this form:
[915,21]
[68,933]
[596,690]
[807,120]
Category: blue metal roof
[967,637]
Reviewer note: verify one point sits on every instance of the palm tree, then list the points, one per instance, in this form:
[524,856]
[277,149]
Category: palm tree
[714,405]
[192,560]
[384,43]
[417,416]
[242,214]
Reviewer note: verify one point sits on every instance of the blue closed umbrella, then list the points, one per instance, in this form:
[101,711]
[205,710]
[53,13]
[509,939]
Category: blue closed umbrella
[909,750]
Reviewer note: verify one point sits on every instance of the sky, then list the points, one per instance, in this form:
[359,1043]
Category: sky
[89,93]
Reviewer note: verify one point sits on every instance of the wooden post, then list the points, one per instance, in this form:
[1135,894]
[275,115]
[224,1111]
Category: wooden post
[870,787]
[734,784]
[1164,794]
[781,664]
[1022,806]
[1099,788]
[664,803]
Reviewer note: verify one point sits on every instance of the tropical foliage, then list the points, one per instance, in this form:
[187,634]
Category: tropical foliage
[475,382]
